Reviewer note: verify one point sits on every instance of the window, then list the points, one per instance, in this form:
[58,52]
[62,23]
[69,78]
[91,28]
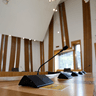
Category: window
[77,56]
[66,60]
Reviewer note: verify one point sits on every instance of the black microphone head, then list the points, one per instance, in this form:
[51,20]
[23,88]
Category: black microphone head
[64,48]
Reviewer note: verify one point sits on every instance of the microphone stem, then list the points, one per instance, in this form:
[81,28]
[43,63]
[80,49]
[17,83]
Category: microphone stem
[46,62]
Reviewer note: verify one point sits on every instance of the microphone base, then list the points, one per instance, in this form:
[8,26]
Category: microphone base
[35,81]
[84,72]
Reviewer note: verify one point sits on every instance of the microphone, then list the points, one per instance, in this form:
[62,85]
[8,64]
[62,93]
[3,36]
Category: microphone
[81,72]
[64,48]
[37,81]
[85,68]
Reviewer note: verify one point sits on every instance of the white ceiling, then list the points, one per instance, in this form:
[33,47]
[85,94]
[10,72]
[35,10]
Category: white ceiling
[26,18]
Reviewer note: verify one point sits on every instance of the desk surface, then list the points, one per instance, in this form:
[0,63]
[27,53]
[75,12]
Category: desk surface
[83,85]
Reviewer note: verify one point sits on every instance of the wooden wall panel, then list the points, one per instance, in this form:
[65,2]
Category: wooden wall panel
[1,50]
[50,64]
[60,8]
[65,24]
[12,54]
[5,53]
[87,37]
[26,51]
[18,52]
[42,56]
[31,60]
[62,13]
[95,52]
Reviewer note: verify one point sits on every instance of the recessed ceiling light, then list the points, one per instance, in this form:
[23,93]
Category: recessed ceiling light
[49,0]
[34,40]
[10,35]
[56,10]
[53,9]
[58,32]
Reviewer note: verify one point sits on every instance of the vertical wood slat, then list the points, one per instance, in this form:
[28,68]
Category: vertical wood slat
[18,52]
[61,25]
[95,51]
[5,53]
[1,50]
[12,54]
[31,60]
[42,56]
[65,24]
[87,37]
[50,63]
[26,50]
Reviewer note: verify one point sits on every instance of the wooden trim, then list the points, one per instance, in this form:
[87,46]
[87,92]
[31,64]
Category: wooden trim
[5,53]
[87,36]
[42,56]
[70,49]
[1,50]
[26,50]
[60,8]
[10,74]
[18,52]
[65,24]
[63,70]
[73,43]
[12,54]
[95,51]
[50,63]
[31,60]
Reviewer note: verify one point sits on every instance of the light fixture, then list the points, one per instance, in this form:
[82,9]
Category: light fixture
[29,39]
[58,32]
[5,1]
[51,0]
[55,10]
[23,37]
[9,35]
[86,1]
[34,40]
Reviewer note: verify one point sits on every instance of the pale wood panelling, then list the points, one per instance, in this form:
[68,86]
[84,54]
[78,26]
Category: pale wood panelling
[18,52]
[5,53]
[50,63]
[87,36]
[1,49]
[26,51]
[42,56]
[12,55]
[31,60]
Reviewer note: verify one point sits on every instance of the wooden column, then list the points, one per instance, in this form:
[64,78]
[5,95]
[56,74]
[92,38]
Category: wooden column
[2,39]
[31,60]
[42,56]
[26,51]
[18,52]
[12,54]
[5,53]
[63,24]
[87,37]
[50,63]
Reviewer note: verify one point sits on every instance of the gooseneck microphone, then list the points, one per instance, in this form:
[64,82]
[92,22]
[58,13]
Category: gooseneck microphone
[64,48]
[37,81]
[83,72]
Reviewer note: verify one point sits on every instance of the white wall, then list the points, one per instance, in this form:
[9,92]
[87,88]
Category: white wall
[26,18]
[74,16]
[57,36]
[46,49]
[93,28]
